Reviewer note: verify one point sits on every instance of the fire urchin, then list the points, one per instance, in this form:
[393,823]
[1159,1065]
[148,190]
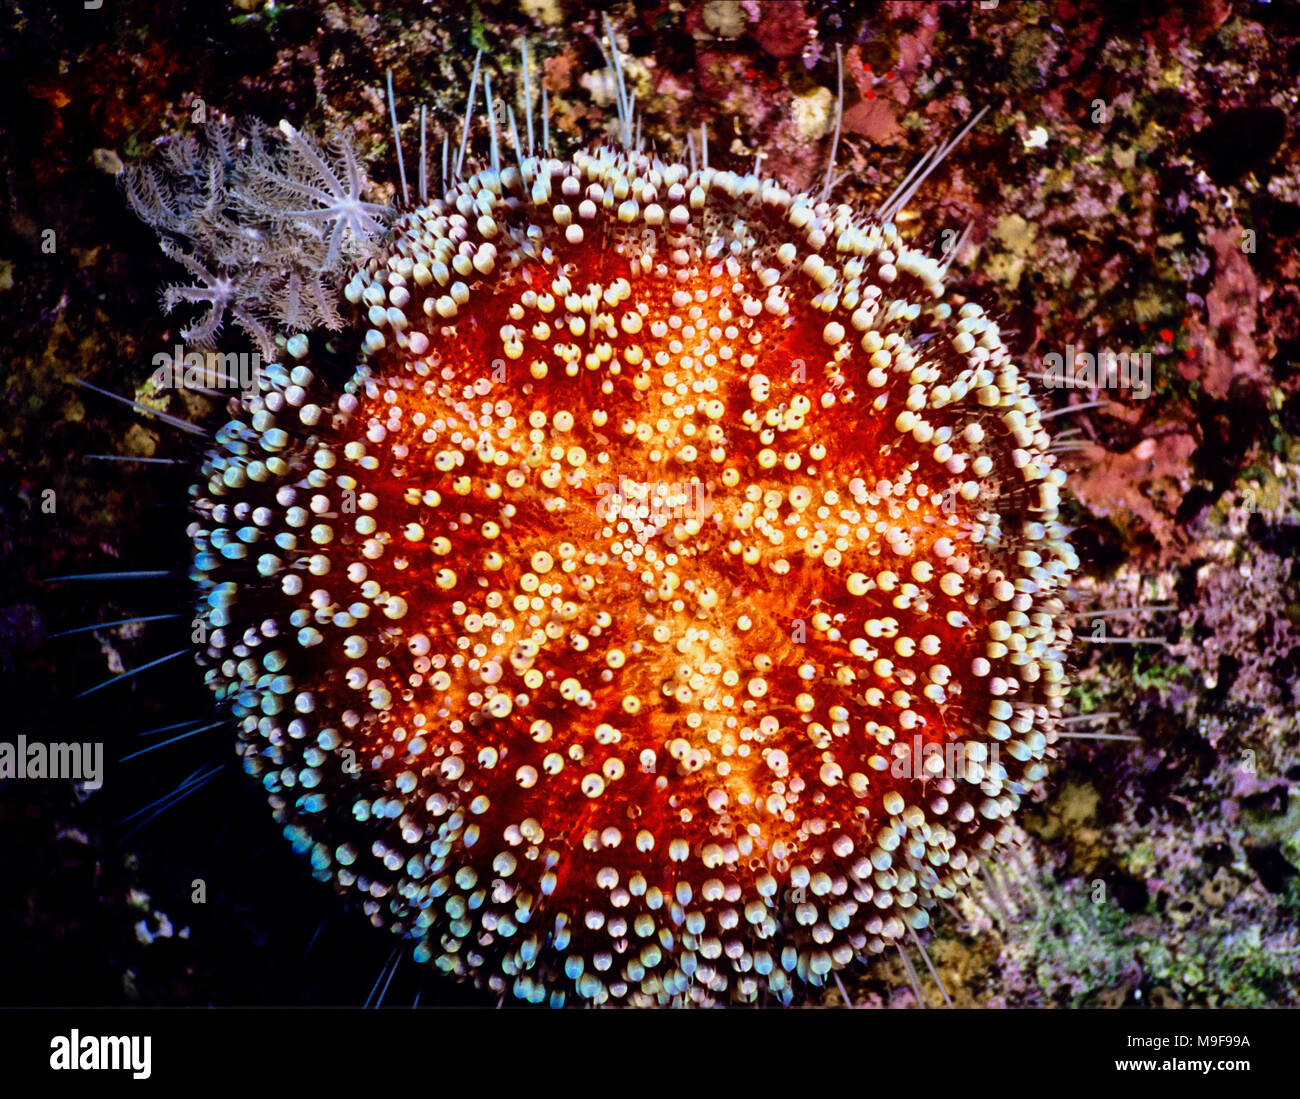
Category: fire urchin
[609,637]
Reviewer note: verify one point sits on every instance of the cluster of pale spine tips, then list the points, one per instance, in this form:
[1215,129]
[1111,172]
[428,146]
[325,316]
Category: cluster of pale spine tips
[372,671]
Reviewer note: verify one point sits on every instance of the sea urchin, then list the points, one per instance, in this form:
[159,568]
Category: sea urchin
[667,609]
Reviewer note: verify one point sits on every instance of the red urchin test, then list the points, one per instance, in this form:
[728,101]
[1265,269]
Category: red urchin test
[668,610]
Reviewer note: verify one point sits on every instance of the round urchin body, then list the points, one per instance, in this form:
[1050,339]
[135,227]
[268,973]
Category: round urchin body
[668,608]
